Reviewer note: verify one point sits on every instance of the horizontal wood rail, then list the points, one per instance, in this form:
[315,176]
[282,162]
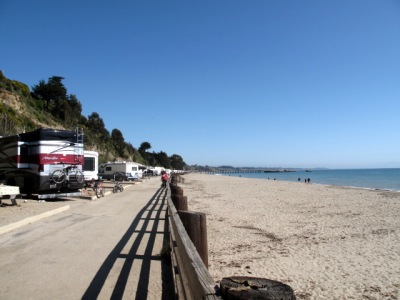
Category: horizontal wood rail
[191,276]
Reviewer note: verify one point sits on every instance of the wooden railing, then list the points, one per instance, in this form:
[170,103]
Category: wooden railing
[192,279]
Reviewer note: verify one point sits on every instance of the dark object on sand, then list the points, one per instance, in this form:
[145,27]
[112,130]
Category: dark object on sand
[252,288]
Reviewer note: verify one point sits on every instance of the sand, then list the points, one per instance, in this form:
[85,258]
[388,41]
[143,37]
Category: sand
[11,214]
[28,208]
[325,242]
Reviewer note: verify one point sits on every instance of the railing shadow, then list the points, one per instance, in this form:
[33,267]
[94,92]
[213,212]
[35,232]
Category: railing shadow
[156,204]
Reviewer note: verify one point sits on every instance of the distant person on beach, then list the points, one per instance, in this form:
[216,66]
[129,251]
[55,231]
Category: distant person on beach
[308,180]
[298,179]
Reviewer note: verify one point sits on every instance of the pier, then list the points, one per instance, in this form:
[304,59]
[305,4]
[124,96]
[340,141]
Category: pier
[218,170]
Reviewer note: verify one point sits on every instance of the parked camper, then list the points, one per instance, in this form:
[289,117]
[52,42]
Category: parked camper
[157,170]
[91,165]
[44,162]
[148,173]
[121,171]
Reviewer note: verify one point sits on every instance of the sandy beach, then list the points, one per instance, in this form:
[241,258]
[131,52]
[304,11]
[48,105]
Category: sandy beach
[325,242]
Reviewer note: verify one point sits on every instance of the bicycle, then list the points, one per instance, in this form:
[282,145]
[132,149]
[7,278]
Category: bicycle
[99,188]
[118,187]
[96,186]
[67,174]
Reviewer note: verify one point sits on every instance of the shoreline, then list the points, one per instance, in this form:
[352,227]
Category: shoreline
[314,183]
[324,241]
[295,181]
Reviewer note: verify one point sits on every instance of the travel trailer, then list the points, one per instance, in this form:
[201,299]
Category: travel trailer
[121,171]
[46,163]
[157,170]
[91,165]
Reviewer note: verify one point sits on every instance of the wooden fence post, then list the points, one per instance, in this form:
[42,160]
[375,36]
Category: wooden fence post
[196,227]
[176,190]
[180,202]
[174,179]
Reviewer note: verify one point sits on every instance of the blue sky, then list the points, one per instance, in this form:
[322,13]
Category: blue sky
[243,83]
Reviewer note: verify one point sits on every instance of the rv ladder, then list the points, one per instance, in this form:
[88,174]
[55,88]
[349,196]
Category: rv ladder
[78,151]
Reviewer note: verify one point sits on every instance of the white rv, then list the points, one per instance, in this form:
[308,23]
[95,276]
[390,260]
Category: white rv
[45,162]
[156,170]
[91,165]
[121,171]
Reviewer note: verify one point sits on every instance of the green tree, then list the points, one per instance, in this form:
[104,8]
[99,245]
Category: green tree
[144,147]
[53,91]
[69,111]
[118,141]
[143,151]
[76,107]
[96,124]
[177,162]
[134,154]
[131,150]
[152,160]
[163,160]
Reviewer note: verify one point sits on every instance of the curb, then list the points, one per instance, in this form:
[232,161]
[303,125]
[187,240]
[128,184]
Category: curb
[10,227]
[29,220]
[94,197]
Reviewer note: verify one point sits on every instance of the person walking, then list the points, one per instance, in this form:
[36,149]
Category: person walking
[164,179]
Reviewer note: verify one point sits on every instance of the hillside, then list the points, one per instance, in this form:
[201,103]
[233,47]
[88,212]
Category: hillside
[18,112]
[49,105]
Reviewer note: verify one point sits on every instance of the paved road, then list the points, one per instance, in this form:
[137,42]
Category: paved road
[104,249]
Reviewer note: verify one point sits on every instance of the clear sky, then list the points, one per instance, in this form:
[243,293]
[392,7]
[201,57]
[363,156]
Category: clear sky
[266,83]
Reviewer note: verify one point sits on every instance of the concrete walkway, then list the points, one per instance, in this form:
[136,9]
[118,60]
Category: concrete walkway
[104,249]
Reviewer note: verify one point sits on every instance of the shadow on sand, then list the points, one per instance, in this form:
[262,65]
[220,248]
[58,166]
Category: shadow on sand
[154,207]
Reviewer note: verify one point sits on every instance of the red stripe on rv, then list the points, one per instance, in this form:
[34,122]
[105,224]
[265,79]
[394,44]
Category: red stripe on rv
[49,159]
[60,158]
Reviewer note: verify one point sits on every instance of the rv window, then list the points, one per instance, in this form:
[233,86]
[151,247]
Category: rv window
[24,150]
[89,164]
[134,168]
[108,168]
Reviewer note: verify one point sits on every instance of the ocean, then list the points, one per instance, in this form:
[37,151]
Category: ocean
[381,179]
